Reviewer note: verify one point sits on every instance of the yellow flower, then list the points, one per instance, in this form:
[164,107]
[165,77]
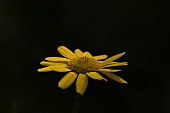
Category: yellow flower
[80,66]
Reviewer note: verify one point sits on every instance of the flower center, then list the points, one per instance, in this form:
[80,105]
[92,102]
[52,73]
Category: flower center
[83,64]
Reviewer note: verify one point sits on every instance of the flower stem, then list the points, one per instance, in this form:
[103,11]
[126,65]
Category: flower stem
[77,103]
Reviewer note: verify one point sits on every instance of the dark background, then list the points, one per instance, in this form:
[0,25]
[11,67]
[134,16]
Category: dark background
[32,30]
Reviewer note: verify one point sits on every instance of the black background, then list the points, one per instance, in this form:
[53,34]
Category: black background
[32,30]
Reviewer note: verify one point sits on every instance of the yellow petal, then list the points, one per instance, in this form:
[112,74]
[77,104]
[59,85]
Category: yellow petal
[44,63]
[67,80]
[45,69]
[116,64]
[87,54]
[95,75]
[79,53]
[109,70]
[60,65]
[114,77]
[100,62]
[66,52]
[59,68]
[111,59]
[81,83]
[56,59]
[100,57]
[108,63]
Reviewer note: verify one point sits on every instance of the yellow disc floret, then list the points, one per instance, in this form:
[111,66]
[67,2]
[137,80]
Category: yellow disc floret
[83,64]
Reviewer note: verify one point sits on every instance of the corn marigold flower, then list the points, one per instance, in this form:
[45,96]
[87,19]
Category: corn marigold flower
[81,65]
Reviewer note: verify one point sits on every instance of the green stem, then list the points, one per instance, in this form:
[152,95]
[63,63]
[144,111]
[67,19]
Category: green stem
[77,103]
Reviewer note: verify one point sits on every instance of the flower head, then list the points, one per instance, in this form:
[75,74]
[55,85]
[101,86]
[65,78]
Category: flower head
[81,65]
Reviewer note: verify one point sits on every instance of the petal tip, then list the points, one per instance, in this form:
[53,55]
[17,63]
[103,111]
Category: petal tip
[39,70]
[61,47]
[81,93]
[105,80]
[43,70]
[46,58]
[42,62]
[60,86]
[125,82]
[123,53]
